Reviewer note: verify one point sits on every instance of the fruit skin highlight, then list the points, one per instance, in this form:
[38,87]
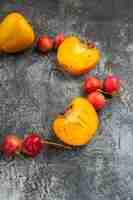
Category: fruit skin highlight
[78,124]
[11,145]
[91,84]
[97,100]
[76,57]
[16,34]
[111,84]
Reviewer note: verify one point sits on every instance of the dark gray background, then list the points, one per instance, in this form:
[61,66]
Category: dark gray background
[33,92]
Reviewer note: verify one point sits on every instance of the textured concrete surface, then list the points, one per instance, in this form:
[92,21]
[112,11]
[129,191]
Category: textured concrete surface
[33,92]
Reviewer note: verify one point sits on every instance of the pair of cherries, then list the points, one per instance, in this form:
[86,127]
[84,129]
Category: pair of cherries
[97,90]
[47,43]
[31,145]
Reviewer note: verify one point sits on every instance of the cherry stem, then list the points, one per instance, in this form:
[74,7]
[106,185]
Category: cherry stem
[56,144]
[19,155]
[109,69]
[112,95]
[104,92]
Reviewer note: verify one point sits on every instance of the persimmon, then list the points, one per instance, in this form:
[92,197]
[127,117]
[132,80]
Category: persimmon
[76,57]
[78,124]
[16,34]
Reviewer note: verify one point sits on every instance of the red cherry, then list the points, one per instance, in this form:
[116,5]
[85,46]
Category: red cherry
[97,100]
[58,40]
[33,145]
[111,84]
[11,145]
[45,43]
[91,84]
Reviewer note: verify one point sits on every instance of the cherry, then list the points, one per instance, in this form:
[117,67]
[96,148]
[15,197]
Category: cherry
[91,84]
[58,40]
[45,44]
[97,100]
[11,145]
[111,84]
[33,145]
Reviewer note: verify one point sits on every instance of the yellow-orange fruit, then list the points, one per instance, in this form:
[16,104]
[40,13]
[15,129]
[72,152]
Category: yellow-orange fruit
[78,124]
[16,34]
[76,57]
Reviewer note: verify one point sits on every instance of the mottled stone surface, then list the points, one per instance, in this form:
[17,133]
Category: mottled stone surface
[33,92]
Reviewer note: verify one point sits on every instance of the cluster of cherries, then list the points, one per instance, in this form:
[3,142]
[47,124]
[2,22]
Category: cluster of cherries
[31,145]
[48,43]
[98,90]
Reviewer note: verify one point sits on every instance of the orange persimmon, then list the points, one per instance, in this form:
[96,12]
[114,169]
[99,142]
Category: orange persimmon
[16,34]
[78,124]
[76,57]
